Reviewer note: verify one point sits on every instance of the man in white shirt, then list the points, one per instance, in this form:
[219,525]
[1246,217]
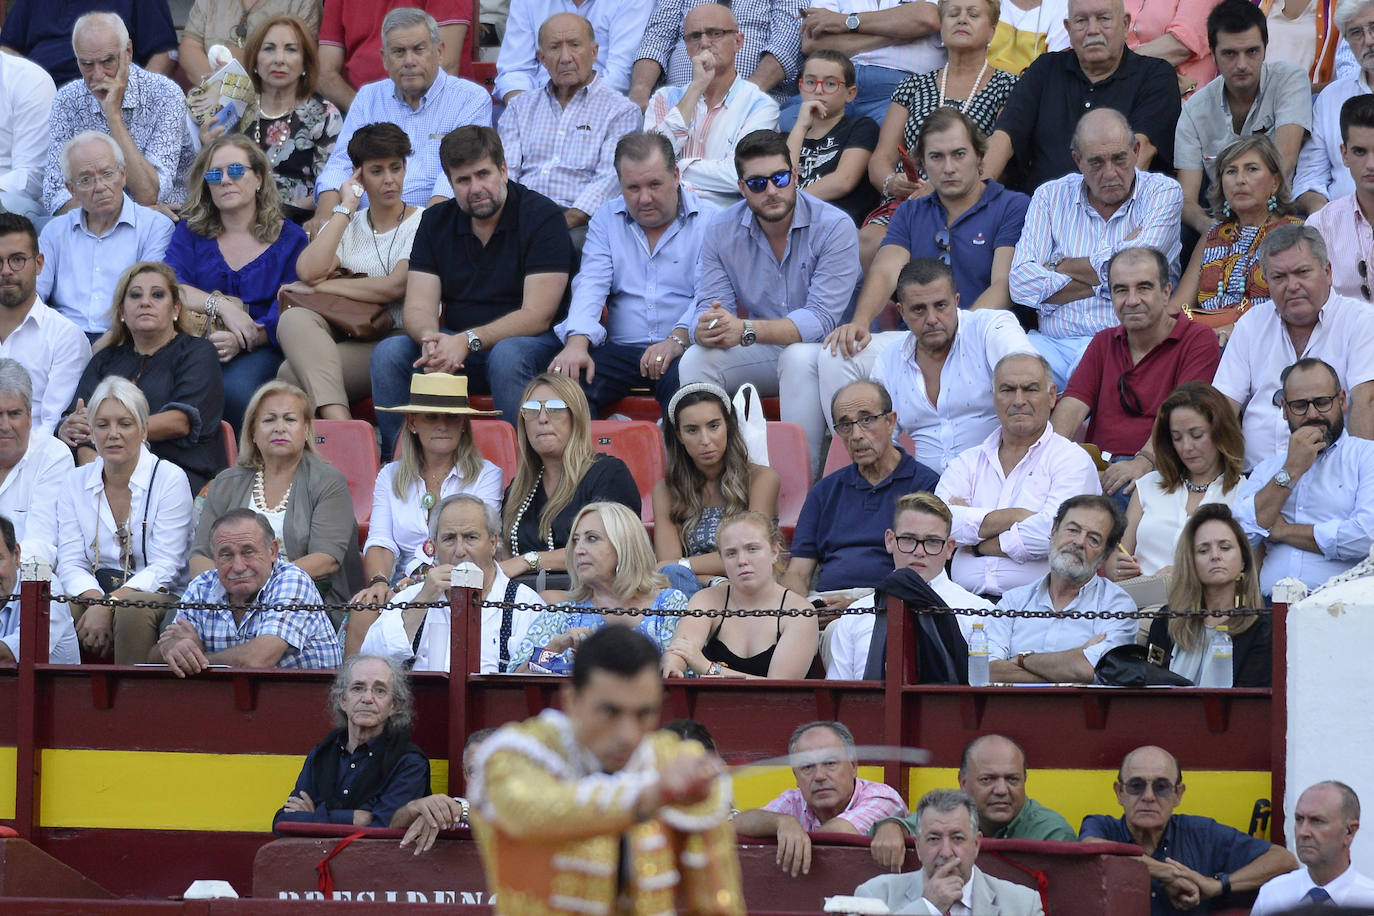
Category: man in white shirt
[1312,505]
[33,467]
[940,375]
[1005,491]
[26,94]
[1325,822]
[1305,319]
[1065,650]
[49,346]
[618,25]
[1321,175]
[918,539]
[63,648]
[463,529]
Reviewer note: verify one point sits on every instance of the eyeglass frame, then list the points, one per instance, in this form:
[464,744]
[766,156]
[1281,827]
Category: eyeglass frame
[845,428]
[227,170]
[924,543]
[818,85]
[694,38]
[757,184]
[1299,406]
[105,176]
[550,407]
[23,259]
[1160,788]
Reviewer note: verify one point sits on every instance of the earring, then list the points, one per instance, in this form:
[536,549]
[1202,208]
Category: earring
[1273,203]
[1226,209]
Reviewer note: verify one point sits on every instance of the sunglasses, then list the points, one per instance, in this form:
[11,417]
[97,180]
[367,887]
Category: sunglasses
[531,408]
[1364,280]
[235,171]
[758,183]
[1130,401]
[1161,787]
[942,240]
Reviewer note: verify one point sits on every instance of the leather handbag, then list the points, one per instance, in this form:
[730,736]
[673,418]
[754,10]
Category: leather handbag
[1130,666]
[355,320]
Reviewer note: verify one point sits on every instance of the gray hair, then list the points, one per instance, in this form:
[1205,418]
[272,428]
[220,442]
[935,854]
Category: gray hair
[945,801]
[1111,114]
[244,514]
[118,388]
[1292,235]
[15,380]
[88,136]
[488,512]
[108,19]
[402,698]
[405,17]
[1044,364]
[1346,10]
[839,729]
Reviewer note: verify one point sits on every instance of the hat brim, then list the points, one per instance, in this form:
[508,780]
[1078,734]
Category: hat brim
[429,408]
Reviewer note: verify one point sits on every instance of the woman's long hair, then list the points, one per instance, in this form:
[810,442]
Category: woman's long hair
[200,213]
[578,455]
[1186,593]
[686,482]
[466,458]
[636,568]
[1226,435]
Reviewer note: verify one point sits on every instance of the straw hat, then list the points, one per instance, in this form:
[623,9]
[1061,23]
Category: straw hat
[439,392]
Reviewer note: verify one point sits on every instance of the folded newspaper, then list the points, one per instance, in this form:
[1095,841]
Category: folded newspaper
[225,96]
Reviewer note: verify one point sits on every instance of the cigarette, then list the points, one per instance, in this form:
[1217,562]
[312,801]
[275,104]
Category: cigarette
[714,322]
[1122,549]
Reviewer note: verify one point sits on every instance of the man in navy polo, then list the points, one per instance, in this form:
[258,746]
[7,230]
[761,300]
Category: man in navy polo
[840,532]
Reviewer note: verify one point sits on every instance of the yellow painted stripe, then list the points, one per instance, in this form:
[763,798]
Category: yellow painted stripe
[9,763]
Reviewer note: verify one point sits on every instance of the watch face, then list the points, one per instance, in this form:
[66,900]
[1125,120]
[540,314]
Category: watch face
[852,21]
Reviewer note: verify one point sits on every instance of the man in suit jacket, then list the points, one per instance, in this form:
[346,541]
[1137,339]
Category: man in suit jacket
[949,884]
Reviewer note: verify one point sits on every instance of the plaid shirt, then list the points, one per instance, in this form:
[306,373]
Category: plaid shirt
[768,27]
[567,154]
[308,632]
[870,803]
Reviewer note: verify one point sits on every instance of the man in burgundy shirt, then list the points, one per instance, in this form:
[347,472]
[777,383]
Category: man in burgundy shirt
[1128,371]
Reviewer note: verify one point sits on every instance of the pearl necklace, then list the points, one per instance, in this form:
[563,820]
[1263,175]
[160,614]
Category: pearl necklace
[260,496]
[520,514]
[944,79]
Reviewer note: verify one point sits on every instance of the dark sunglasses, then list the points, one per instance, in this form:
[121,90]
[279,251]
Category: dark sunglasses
[1364,280]
[236,170]
[758,183]
[1130,401]
[942,240]
[1161,787]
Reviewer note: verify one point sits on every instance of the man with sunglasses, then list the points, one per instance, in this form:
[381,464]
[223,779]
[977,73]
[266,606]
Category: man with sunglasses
[1127,371]
[1312,505]
[1345,222]
[1193,861]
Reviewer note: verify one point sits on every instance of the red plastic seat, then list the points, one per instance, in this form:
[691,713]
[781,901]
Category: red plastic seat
[351,446]
[231,444]
[791,458]
[639,444]
[496,441]
[838,456]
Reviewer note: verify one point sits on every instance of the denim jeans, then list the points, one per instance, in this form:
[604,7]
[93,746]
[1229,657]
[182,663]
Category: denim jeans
[393,363]
[520,359]
[243,375]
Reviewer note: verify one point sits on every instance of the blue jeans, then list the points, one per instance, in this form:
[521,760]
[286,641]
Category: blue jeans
[681,578]
[392,365]
[243,375]
[520,359]
[875,94]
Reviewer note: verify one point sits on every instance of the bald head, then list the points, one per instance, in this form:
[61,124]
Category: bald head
[567,49]
[709,16]
[711,28]
[1151,756]
[1101,125]
[567,21]
[993,772]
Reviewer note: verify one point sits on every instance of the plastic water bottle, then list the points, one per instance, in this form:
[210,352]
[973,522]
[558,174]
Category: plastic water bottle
[1219,667]
[978,657]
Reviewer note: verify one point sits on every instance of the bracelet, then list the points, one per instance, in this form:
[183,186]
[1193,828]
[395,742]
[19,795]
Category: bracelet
[378,578]
[212,302]
[887,181]
[678,340]
[1146,457]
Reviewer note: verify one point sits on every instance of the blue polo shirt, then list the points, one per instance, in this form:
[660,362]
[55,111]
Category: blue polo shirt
[993,222]
[844,518]
[1198,842]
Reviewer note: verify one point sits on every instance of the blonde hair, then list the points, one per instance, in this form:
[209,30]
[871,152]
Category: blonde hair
[125,393]
[578,454]
[200,213]
[248,449]
[636,567]
[118,334]
[1187,594]
[466,459]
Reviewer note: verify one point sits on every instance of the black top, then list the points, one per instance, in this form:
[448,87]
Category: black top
[758,665]
[821,156]
[1053,93]
[1251,654]
[480,283]
[607,480]
[183,375]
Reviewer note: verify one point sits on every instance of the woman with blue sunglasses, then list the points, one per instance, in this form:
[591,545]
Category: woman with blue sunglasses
[232,252]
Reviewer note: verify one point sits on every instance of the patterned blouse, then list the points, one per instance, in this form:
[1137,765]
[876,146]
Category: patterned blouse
[558,620]
[298,144]
[1231,276]
[920,95]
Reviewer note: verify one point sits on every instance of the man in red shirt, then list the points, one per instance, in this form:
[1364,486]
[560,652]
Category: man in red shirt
[1127,371]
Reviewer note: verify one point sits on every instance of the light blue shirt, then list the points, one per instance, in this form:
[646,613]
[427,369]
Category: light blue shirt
[1335,497]
[1010,636]
[649,292]
[63,649]
[617,24]
[811,286]
[81,269]
[450,103]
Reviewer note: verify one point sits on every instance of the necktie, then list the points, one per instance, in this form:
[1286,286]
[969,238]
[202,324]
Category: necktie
[1319,895]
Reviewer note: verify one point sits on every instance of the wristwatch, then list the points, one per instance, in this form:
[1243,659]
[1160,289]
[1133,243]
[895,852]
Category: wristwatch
[1284,479]
[532,558]
[474,342]
[340,208]
[1225,881]
[749,336]
[851,22]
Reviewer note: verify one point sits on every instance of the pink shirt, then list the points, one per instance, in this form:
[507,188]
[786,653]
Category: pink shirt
[870,803]
[1185,20]
[1349,240]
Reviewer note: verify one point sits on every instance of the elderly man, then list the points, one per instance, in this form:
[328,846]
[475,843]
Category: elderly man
[843,523]
[1098,71]
[830,796]
[279,629]
[708,116]
[617,28]
[63,648]
[639,266]
[48,345]
[947,841]
[87,248]
[1322,175]
[42,33]
[462,529]
[918,540]
[145,113]
[1127,371]
[1074,226]
[1253,96]
[1312,505]
[366,769]
[560,139]
[993,773]
[418,97]
[768,54]
[1344,223]
[1305,319]
[26,94]
[1193,860]
[1065,649]
[1005,491]
[1325,822]
[777,271]
[489,265]
[33,466]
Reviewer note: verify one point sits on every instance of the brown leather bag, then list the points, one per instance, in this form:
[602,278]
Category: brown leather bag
[355,320]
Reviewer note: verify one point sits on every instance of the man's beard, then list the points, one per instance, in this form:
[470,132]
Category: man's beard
[1331,429]
[1072,563]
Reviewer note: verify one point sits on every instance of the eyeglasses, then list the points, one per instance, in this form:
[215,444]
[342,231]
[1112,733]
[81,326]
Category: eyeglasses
[86,182]
[235,171]
[531,409]
[1299,405]
[756,183]
[1161,787]
[1364,280]
[942,239]
[827,85]
[694,38]
[846,427]
[1130,401]
[17,261]
[906,543]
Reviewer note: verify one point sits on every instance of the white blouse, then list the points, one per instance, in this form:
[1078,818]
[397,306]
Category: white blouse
[1163,516]
[374,254]
[402,525]
[159,519]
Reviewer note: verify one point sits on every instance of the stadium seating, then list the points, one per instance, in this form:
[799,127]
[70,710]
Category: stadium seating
[231,444]
[351,446]
[496,441]
[789,456]
[639,444]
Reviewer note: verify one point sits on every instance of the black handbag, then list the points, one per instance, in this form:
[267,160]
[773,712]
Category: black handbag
[110,578]
[1130,666]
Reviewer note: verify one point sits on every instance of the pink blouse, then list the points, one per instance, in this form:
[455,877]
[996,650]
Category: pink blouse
[1186,21]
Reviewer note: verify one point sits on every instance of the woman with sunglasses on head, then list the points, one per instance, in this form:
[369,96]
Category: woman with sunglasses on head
[709,476]
[231,252]
[776,645]
[558,473]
